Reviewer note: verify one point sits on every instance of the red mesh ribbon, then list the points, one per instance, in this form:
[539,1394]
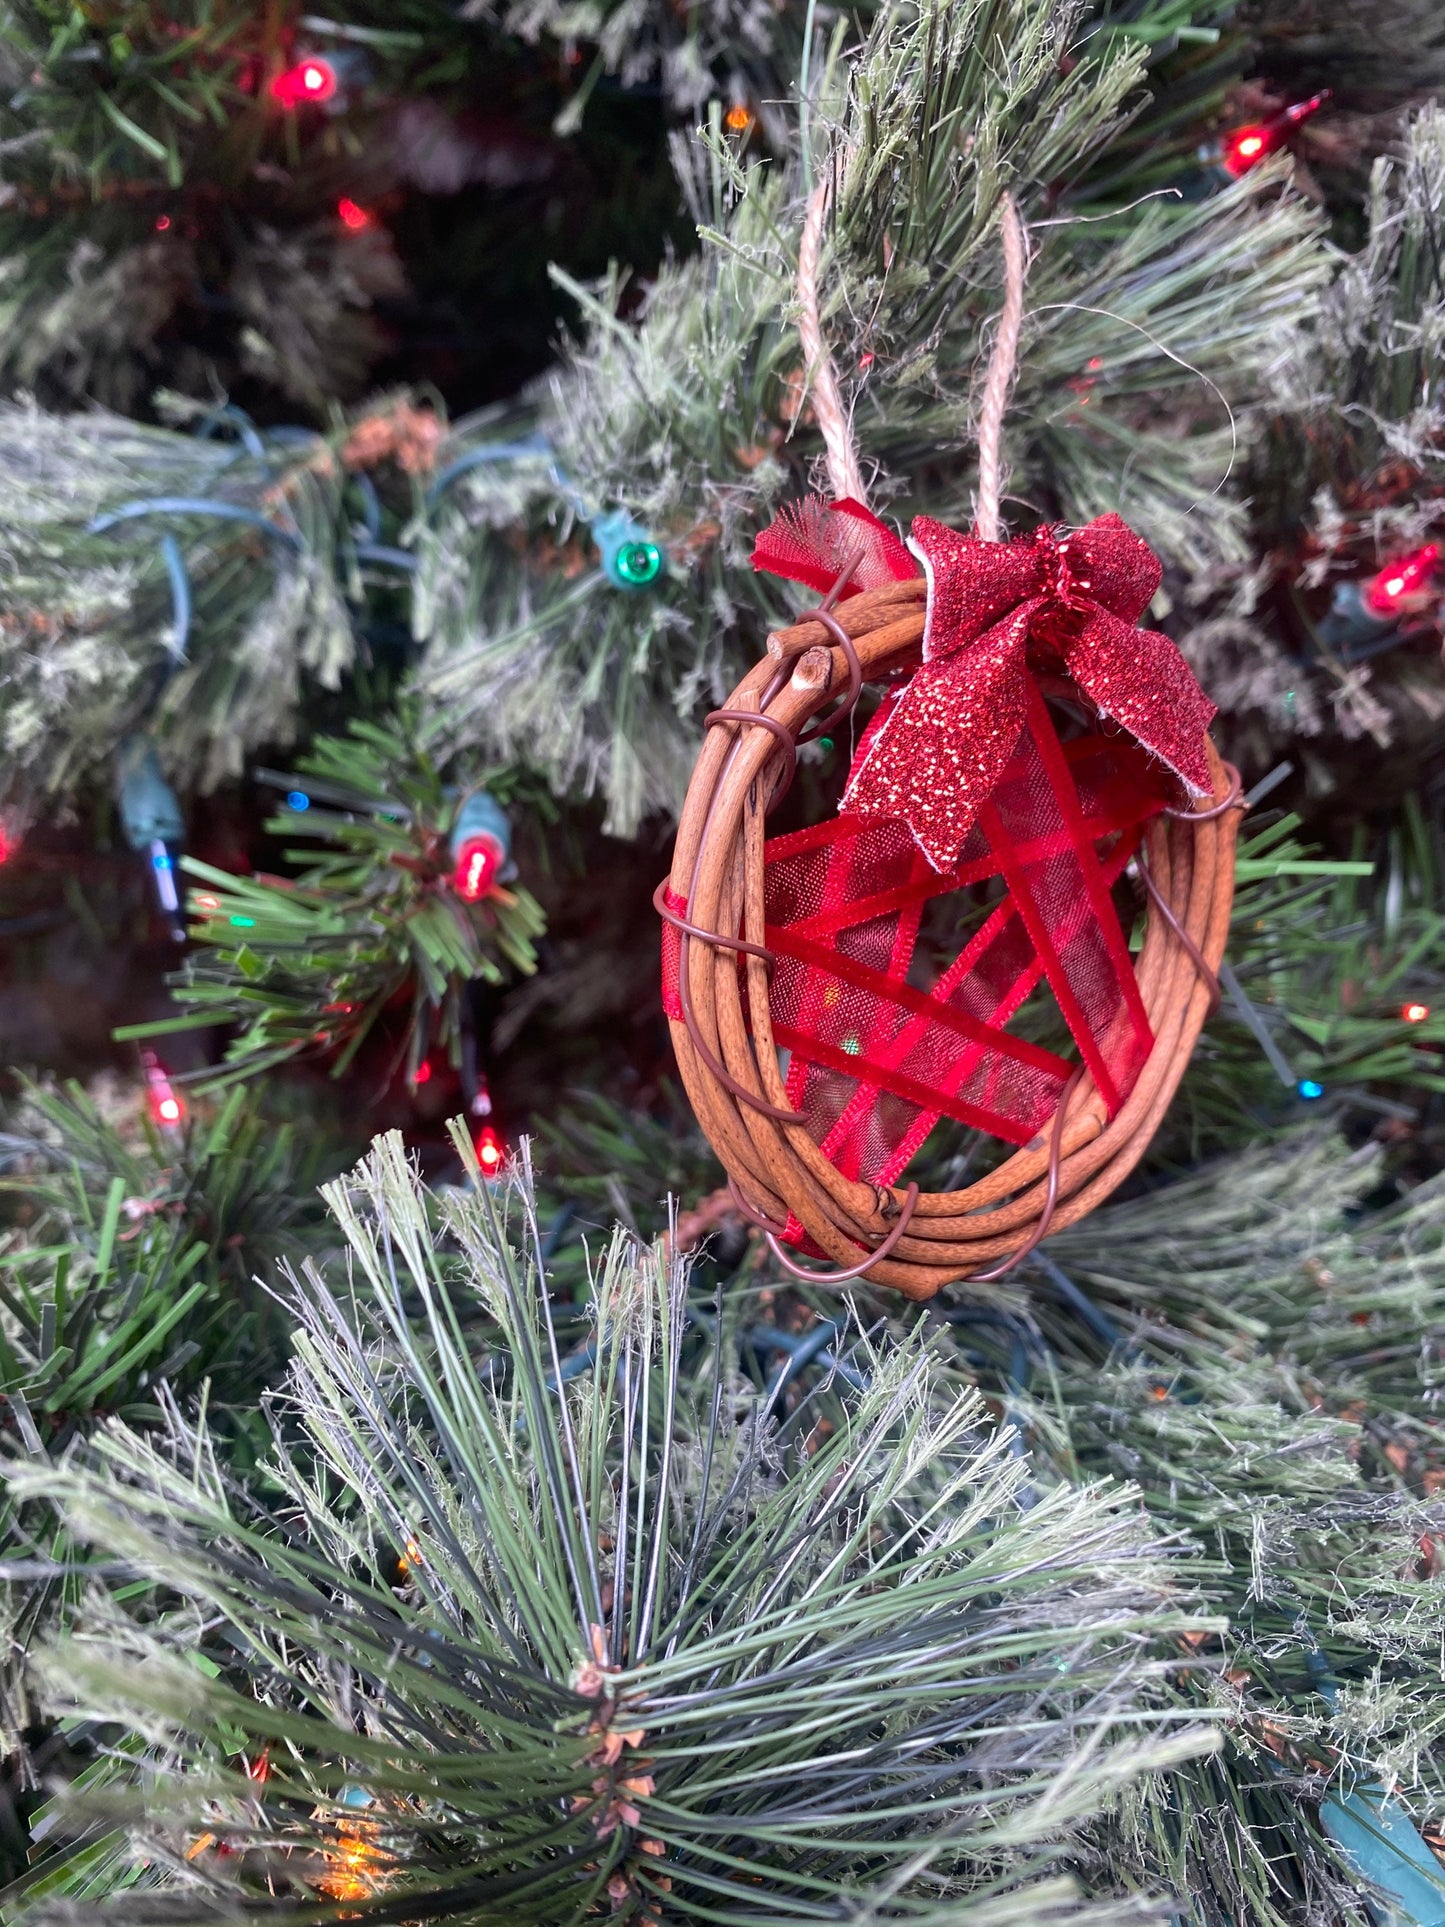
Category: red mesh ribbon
[813,541]
[876,1058]
[672,956]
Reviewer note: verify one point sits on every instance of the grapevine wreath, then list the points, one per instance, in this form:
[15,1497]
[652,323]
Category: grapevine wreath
[1030,733]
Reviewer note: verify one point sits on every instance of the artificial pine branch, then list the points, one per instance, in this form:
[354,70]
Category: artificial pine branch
[636,1645]
[695,417]
[1365,411]
[239,1176]
[1261,1353]
[132,1254]
[1337,960]
[127,129]
[129,1264]
[602,1164]
[692,417]
[1347,474]
[95,643]
[372,922]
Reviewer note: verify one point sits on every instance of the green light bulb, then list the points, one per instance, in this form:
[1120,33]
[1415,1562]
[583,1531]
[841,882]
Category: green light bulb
[630,557]
[639,563]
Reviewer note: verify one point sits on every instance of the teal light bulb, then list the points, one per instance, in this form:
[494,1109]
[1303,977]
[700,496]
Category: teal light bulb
[630,557]
[639,563]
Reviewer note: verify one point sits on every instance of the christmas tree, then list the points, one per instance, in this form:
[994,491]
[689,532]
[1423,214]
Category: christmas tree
[466,1455]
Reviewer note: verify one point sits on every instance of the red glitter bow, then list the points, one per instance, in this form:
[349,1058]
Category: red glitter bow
[1067,602]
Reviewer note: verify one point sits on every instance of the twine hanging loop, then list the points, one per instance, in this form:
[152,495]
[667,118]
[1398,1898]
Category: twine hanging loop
[987,523]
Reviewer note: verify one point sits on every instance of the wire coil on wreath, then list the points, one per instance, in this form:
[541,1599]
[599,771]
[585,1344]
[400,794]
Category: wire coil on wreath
[723,1032]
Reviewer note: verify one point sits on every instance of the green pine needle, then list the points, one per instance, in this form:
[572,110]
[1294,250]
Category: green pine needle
[641,1646]
[371,922]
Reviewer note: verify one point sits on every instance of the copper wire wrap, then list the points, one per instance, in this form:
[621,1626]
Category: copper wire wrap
[916,1242]
[864,1265]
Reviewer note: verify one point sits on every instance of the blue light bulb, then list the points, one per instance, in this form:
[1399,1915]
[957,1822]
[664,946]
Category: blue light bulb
[1308,1089]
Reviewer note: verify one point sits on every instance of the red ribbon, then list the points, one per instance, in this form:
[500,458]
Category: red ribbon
[814,541]
[1068,602]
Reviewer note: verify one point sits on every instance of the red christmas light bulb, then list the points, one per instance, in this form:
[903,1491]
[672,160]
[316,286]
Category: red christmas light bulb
[165,1107]
[1414,1013]
[1246,147]
[1406,576]
[422,1073]
[478,861]
[489,1151]
[352,215]
[312,79]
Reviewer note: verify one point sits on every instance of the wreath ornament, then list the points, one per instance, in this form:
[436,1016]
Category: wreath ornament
[1032,736]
